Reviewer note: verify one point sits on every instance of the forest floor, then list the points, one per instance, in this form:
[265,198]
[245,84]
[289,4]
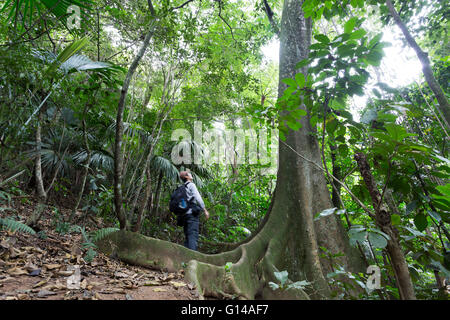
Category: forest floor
[45,266]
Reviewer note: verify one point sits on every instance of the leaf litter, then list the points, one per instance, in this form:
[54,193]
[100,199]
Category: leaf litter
[53,267]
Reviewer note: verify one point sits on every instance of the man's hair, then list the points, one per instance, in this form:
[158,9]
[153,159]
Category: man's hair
[184,175]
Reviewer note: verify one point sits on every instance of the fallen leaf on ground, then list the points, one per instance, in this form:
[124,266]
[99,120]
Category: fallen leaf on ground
[152,283]
[120,274]
[177,284]
[83,284]
[45,293]
[159,290]
[40,283]
[16,271]
[52,266]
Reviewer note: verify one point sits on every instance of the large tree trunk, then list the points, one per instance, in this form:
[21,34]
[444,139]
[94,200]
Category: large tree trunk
[288,238]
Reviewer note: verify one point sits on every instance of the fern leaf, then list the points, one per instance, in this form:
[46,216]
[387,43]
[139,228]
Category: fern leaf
[102,233]
[13,225]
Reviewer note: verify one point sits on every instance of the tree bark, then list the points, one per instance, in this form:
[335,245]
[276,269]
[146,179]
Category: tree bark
[155,203]
[38,166]
[444,106]
[336,171]
[383,221]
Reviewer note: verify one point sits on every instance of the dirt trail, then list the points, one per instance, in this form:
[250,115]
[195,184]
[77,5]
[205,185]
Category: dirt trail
[53,266]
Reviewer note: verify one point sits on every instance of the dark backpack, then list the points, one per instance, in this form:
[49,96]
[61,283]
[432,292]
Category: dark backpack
[178,201]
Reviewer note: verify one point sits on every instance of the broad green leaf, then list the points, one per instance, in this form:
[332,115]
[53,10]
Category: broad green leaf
[317,46]
[322,38]
[375,40]
[273,285]
[290,82]
[445,189]
[358,34]
[313,121]
[300,79]
[374,58]
[350,25]
[396,219]
[281,276]
[357,233]
[302,63]
[299,284]
[381,232]
[395,131]
[331,125]
[337,103]
[421,222]
[343,150]
[294,125]
[377,240]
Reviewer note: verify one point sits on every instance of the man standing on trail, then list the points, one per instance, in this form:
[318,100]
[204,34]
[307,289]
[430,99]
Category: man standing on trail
[191,218]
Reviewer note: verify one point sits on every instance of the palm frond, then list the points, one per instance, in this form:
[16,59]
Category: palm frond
[27,9]
[68,52]
[79,62]
[166,166]
[100,159]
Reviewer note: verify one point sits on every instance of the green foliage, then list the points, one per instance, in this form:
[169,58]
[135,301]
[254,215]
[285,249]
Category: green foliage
[284,283]
[26,9]
[102,233]
[15,226]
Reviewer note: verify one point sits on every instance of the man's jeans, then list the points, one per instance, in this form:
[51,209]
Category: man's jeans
[191,224]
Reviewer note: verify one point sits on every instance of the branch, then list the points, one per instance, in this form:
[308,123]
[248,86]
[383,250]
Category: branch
[151,8]
[220,16]
[181,6]
[269,13]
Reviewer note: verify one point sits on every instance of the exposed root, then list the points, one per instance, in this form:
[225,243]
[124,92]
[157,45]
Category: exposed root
[252,265]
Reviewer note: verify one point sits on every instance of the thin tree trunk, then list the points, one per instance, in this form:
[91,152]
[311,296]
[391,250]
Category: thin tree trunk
[86,166]
[383,221]
[444,106]
[42,195]
[38,165]
[143,204]
[155,204]
[336,171]
[118,155]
